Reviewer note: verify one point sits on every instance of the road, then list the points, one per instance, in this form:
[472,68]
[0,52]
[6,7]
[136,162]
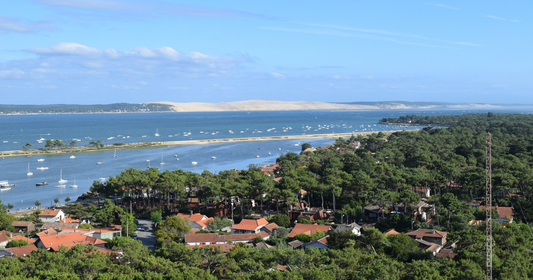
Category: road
[146,237]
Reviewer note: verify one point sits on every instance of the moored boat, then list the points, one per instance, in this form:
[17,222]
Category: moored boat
[41,184]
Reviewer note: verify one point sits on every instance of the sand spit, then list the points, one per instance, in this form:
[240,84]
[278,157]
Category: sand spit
[147,145]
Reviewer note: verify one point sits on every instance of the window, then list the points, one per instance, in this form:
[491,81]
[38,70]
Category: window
[213,243]
[202,243]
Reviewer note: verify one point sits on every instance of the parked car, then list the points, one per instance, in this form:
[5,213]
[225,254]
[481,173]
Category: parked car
[146,229]
[134,237]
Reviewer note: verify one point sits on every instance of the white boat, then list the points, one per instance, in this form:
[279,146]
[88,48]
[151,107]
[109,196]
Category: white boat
[177,159]
[99,163]
[5,188]
[74,186]
[213,157]
[194,163]
[61,181]
[60,186]
[279,149]
[101,179]
[115,155]
[72,156]
[256,156]
[41,159]
[42,168]
[156,133]
[162,163]
[29,172]
[268,153]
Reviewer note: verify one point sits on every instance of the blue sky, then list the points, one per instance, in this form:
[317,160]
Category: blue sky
[107,51]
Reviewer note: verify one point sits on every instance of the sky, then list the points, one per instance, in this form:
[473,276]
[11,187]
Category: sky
[109,51]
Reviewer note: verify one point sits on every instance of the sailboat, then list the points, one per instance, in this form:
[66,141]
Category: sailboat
[61,181]
[29,172]
[162,163]
[115,155]
[156,132]
[74,186]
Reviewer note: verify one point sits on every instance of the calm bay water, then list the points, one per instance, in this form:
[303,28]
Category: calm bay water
[16,130]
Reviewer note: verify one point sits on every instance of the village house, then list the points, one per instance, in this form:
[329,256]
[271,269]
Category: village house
[248,226]
[215,238]
[47,242]
[23,226]
[27,239]
[353,228]
[199,221]
[421,211]
[423,192]
[308,213]
[4,238]
[429,235]
[269,228]
[308,229]
[506,213]
[428,246]
[52,216]
[224,247]
[22,251]
[58,226]
[320,243]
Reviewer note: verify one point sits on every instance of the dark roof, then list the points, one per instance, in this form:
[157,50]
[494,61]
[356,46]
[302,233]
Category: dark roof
[21,223]
[421,233]
[296,244]
[22,251]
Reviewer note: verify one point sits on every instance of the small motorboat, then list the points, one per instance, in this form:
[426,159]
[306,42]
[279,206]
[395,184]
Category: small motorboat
[177,159]
[41,159]
[60,186]
[72,156]
[213,157]
[41,184]
[194,163]
[42,168]
[99,163]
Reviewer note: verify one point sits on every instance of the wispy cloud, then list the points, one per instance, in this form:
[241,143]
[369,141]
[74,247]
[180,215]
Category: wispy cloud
[11,24]
[352,35]
[146,8]
[443,6]
[500,18]
[388,33]
[178,88]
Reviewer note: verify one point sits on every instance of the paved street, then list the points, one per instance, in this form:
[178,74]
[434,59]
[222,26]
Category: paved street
[146,237]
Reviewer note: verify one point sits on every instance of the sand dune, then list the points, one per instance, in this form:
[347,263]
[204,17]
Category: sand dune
[273,105]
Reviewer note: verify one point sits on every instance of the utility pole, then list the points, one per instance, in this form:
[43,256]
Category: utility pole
[488,202]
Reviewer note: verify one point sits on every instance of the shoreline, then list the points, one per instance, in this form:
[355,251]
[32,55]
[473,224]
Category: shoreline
[149,145]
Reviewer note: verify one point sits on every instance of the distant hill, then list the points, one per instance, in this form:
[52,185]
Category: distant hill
[73,108]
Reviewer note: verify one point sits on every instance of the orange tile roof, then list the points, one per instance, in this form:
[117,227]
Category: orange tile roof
[271,226]
[193,218]
[20,237]
[22,251]
[391,232]
[503,212]
[277,179]
[50,213]
[308,229]
[70,238]
[58,248]
[48,232]
[446,253]
[205,222]
[215,237]
[248,224]
[281,267]
[224,247]
[69,220]
[3,236]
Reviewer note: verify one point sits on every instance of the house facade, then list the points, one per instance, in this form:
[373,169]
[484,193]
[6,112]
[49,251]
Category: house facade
[52,216]
[429,235]
[248,226]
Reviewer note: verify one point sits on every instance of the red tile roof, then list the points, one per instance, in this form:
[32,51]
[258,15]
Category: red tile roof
[50,213]
[503,212]
[70,238]
[58,248]
[446,253]
[205,222]
[308,229]
[69,220]
[215,237]
[20,237]
[248,224]
[224,247]
[22,251]
[48,232]
[271,226]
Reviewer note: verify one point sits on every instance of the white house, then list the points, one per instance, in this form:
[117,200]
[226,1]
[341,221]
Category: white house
[198,220]
[51,216]
[353,228]
[248,226]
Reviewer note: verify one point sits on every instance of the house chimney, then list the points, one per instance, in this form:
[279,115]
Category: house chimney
[10,235]
[433,231]
[47,232]
[191,212]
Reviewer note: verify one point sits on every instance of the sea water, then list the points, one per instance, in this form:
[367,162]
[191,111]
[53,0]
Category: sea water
[17,130]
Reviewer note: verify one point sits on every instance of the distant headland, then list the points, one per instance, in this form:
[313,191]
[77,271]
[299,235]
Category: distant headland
[249,105]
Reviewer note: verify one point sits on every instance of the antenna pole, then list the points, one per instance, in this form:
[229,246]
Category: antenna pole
[488,202]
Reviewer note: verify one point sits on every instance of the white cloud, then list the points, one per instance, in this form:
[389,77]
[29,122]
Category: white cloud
[178,88]
[124,87]
[66,48]
[11,74]
[142,83]
[11,24]
[44,64]
[49,87]
[277,75]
